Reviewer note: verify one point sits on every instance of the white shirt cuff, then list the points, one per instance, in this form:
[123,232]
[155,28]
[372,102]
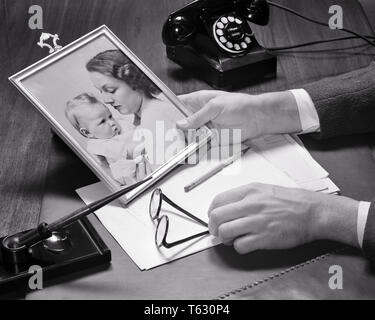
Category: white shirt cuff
[307,113]
[363,210]
[310,123]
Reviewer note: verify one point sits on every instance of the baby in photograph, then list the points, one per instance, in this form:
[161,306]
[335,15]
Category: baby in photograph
[107,138]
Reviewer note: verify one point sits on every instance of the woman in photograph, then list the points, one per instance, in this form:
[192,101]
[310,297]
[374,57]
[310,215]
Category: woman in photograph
[124,86]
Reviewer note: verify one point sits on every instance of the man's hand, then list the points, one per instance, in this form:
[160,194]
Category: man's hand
[257,217]
[255,115]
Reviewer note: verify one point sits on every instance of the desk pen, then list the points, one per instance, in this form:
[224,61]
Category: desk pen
[44,230]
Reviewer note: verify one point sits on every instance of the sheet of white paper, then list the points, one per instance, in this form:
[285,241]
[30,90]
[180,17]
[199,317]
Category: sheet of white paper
[136,238]
[288,156]
[295,139]
[320,185]
[133,229]
[332,188]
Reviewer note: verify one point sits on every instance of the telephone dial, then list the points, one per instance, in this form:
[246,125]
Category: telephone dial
[231,35]
[213,38]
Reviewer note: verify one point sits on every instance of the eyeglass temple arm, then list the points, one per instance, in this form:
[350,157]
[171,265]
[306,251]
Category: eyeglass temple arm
[169,201]
[178,242]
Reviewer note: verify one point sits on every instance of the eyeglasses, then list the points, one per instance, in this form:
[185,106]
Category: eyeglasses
[162,226]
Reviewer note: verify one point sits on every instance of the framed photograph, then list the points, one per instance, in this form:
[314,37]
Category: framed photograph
[114,113]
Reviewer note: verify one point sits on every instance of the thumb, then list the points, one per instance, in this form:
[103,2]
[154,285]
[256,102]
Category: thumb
[200,118]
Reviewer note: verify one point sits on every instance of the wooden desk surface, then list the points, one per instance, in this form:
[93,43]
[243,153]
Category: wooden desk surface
[31,158]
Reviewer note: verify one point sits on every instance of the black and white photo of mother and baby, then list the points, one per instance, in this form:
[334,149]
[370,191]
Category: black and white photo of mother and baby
[128,150]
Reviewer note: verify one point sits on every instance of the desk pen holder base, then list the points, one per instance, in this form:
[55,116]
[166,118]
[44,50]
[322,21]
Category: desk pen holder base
[82,249]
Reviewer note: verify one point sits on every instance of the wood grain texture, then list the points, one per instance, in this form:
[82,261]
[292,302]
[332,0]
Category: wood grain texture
[24,136]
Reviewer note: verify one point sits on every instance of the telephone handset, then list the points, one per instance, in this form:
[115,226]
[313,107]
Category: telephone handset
[222,20]
[213,39]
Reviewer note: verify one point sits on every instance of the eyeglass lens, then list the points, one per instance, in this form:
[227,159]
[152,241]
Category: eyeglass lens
[163,221]
[161,231]
[155,203]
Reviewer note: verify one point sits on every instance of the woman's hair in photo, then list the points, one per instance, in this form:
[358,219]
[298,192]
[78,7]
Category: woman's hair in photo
[116,64]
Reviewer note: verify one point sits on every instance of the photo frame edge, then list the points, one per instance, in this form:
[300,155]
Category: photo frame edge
[159,173]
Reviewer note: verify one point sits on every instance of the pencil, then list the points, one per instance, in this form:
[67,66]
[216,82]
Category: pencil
[213,171]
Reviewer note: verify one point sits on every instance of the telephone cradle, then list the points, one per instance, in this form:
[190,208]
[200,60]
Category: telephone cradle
[212,39]
[74,248]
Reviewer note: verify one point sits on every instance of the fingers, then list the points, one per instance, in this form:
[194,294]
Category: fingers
[196,100]
[250,243]
[209,112]
[229,231]
[227,197]
[226,213]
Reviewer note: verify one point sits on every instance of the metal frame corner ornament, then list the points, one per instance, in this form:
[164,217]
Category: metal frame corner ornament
[44,37]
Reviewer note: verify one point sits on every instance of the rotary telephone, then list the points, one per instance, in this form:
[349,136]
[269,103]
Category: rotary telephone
[213,38]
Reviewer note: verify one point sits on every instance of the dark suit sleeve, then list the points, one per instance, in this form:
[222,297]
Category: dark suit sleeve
[369,236]
[345,103]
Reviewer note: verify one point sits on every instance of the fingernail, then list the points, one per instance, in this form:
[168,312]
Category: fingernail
[182,123]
